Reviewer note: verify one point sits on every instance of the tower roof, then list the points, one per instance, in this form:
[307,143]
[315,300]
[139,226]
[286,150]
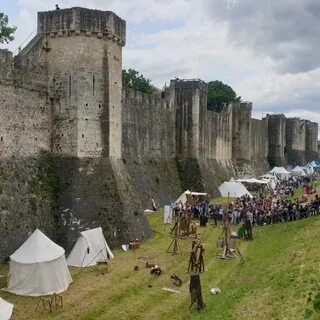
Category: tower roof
[79,19]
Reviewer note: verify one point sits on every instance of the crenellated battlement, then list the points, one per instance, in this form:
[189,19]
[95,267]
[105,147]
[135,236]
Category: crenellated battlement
[156,101]
[81,21]
[189,84]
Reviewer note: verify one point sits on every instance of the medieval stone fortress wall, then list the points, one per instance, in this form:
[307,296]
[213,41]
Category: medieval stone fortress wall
[78,150]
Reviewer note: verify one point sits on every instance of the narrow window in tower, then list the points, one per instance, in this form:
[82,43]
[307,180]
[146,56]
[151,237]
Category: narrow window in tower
[93,84]
[70,86]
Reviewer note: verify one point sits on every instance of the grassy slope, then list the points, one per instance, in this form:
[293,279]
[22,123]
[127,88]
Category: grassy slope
[272,283]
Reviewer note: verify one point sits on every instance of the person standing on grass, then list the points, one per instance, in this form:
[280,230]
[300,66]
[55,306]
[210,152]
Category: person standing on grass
[153,204]
[248,227]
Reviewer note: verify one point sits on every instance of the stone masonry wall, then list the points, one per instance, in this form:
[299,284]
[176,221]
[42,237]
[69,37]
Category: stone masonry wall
[277,139]
[215,134]
[241,131]
[295,140]
[148,126]
[25,122]
[311,140]
[188,97]
[28,187]
[259,139]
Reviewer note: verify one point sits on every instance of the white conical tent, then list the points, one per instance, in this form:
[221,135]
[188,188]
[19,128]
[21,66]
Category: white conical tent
[6,309]
[38,267]
[183,197]
[90,248]
[233,189]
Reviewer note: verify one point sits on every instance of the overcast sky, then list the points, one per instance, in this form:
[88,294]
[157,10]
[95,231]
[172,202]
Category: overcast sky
[267,50]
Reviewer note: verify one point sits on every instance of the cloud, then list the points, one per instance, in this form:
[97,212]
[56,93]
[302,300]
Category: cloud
[295,95]
[266,50]
[286,31]
[292,90]
[136,11]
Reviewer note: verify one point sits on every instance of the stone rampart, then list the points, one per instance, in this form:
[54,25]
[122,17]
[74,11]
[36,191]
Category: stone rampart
[78,151]
[295,151]
[311,140]
[148,125]
[241,131]
[25,123]
[277,138]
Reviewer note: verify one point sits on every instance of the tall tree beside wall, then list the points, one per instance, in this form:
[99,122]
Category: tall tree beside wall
[6,32]
[134,80]
[220,94]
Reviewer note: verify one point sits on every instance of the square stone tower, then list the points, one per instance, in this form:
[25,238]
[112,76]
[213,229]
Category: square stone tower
[83,50]
[191,102]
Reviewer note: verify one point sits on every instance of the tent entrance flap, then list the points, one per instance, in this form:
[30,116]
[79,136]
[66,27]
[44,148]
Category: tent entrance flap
[90,248]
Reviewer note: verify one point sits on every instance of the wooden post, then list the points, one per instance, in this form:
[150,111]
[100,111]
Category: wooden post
[195,292]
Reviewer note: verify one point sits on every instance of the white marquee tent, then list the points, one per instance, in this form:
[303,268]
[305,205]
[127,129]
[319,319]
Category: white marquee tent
[6,309]
[253,180]
[233,189]
[309,169]
[315,164]
[183,197]
[38,267]
[269,176]
[281,172]
[90,248]
[298,171]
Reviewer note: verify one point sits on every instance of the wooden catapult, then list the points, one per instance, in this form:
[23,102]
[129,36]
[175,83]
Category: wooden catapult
[174,246]
[196,262]
[184,226]
[227,243]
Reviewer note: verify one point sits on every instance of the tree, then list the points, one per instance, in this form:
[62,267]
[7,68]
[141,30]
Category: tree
[132,79]
[6,33]
[219,94]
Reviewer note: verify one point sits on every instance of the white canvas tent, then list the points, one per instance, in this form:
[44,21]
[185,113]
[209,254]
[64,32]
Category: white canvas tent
[315,164]
[38,267]
[6,309]
[90,248]
[309,170]
[253,180]
[269,176]
[298,171]
[183,196]
[233,189]
[281,172]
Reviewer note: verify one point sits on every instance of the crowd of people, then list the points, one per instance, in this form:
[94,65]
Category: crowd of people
[259,210]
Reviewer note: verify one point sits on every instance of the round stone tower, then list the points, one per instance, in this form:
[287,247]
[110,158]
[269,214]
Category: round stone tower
[83,51]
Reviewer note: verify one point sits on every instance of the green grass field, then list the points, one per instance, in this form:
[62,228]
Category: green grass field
[281,267]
